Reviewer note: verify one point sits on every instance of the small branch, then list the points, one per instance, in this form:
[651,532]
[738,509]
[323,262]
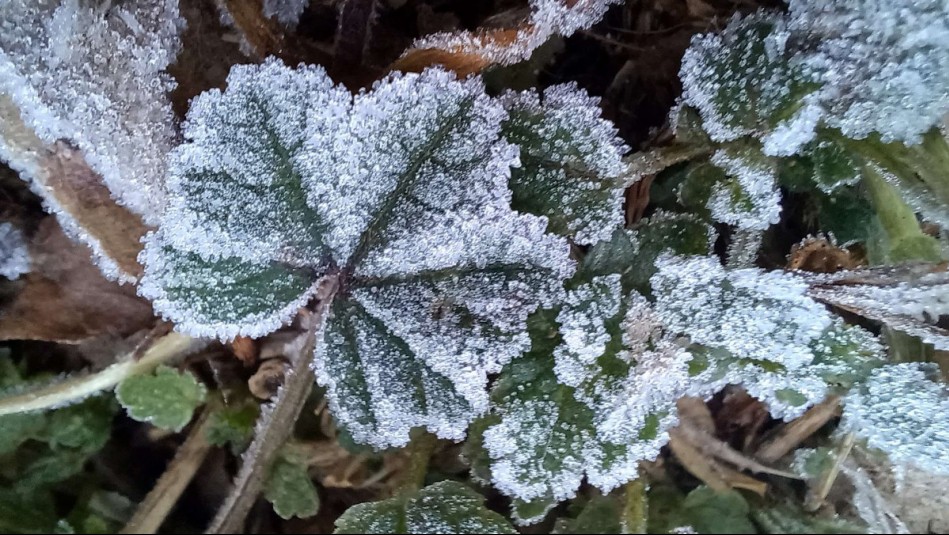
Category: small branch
[275,424]
[167,348]
[163,497]
[793,434]
[654,161]
[635,510]
[818,492]
[420,452]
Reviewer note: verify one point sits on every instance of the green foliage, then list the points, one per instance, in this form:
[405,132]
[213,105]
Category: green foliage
[445,507]
[290,489]
[600,514]
[233,425]
[166,399]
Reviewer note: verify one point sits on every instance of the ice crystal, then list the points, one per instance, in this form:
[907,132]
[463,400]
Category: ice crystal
[604,405]
[287,12]
[741,82]
[14,256]
[901,411]
[749,197]
[884,64]
[912,304]
[94,75]
[761,327]
[401,194]
[571,162]
[548,19]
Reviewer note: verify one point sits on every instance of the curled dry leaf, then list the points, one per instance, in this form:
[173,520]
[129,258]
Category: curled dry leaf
[468,53]
[66,299]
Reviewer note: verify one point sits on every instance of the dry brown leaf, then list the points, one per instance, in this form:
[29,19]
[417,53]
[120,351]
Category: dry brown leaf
[245,349]
[66,299]
[819,255]
[268,378]
[791,435]
[460,61]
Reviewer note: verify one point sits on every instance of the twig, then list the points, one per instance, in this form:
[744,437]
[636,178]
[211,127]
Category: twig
[167,348]
[794,433]
[162,498]
[275,424]
[818,492]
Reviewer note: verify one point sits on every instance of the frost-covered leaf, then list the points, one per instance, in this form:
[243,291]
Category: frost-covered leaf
[571,162]
[633,253]
[761,326]
[14,256]
[602,406]
[908,300]
[548,18]
[901,409]
[290,489]
[401,195]
[822,163]
[742,83]
[884,64]
[445,507]
[748,195]
[94,75]
[165,399]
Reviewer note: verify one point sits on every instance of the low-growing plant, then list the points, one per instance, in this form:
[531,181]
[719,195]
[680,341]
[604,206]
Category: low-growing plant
[457,265]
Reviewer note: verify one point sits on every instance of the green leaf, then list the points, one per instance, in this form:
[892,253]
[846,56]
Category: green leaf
[407,206]
[445,507]
[86,426]
[709,511]
[571,162]
[290,489]
[791,518]
[822,164]
[601,514]
[233,424]
[26,513]
[165,399]
[742,83]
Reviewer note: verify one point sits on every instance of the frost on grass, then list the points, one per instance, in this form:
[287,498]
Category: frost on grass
[907,303]
[94,75]
[402,194]
[759,329]
[884,64]
[571,162]
[14,256]
[548,18]
[446,507]
[901,409]
[743,85]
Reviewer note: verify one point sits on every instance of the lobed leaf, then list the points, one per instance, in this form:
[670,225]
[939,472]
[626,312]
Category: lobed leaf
[290,490]
[165,399]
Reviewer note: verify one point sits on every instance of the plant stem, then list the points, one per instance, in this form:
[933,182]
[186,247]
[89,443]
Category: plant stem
[163,497]
[907,240]
[275,424]
[420,452]
[653,161]
[167,348]
[636,508]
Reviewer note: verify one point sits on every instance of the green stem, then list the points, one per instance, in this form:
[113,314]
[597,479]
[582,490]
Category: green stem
[636,508]
[167,348]
[420,451]
[907,240]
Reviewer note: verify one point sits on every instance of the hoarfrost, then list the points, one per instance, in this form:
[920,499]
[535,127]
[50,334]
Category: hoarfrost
[287,12]
[901,411]
[884,63]
[14,256]
[548,18]
[401,193]
[94,75]
[572,168]
[761,328]
[750,200]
